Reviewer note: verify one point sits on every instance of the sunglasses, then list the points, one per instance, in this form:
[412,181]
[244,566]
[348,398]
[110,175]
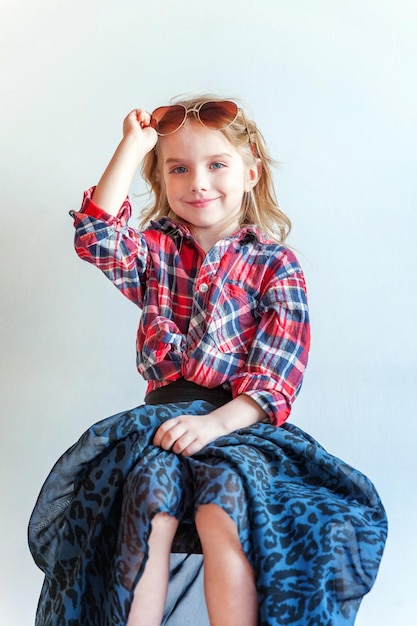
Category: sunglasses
[215,115]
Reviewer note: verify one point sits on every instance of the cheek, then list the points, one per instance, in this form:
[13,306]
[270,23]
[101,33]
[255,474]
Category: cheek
[241,177]
[169,185]
[244,182]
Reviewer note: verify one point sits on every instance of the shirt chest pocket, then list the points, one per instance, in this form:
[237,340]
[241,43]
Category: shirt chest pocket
[233,322]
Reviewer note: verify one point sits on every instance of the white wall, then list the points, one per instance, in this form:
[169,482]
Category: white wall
[333,87]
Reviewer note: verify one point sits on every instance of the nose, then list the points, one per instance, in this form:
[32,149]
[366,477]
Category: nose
[199,181]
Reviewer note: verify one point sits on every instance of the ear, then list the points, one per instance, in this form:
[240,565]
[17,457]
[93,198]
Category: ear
[253,174]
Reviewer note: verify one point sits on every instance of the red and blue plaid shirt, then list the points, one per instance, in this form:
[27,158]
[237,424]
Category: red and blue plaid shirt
[236,316]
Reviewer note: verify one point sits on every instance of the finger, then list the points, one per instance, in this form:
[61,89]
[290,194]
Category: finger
[143,117]
[194,447]
[160,433]
[183,443]
[167,434]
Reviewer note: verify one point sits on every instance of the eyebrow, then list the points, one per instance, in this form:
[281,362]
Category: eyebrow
[208,158]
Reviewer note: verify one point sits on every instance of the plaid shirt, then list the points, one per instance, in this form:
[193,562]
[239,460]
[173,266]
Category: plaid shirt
[236,316]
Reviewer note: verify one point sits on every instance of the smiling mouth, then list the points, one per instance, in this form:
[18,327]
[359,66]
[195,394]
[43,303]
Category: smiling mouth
[201,204]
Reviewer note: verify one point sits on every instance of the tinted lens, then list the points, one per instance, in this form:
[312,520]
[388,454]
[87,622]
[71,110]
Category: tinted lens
[166,120]
[217,115]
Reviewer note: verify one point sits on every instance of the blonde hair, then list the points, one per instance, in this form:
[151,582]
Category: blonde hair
[259,206]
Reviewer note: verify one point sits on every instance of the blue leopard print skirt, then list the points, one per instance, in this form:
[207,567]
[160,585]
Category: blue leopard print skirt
[312,527]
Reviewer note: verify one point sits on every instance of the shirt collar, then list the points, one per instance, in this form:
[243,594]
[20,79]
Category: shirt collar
[168,226]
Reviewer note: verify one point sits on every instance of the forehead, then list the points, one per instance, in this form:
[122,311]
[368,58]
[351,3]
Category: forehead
[195,140]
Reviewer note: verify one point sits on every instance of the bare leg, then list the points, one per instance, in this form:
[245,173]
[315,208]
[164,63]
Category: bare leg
[150,594]
[229,581]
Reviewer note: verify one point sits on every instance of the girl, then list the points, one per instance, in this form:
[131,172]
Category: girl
[207,466]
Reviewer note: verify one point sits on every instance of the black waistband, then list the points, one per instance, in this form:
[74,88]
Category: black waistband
[182,390]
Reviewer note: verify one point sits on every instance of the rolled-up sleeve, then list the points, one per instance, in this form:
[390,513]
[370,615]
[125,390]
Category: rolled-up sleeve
[107,242]
[278,355]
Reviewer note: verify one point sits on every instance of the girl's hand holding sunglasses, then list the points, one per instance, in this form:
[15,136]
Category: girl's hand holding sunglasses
[138,124]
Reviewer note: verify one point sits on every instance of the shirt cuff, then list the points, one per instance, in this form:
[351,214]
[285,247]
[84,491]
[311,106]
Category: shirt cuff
[273,402]
[91,209]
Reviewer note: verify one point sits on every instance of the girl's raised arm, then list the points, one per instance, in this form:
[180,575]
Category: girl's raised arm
[138,139]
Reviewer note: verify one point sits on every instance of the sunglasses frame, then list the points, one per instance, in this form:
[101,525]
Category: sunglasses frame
[197,109]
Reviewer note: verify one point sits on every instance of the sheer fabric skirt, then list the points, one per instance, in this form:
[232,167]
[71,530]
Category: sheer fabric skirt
[312,527]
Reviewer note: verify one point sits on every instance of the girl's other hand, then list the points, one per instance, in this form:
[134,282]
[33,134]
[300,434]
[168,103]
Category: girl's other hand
[188,434]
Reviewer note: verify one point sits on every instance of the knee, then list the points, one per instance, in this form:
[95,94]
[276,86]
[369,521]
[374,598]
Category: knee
[214,524]
[163,522]
[163,529]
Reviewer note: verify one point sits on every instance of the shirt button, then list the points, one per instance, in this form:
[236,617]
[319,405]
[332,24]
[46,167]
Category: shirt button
[203,288]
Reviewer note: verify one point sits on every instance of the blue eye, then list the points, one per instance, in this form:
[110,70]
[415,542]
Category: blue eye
[179,170]
[217,165]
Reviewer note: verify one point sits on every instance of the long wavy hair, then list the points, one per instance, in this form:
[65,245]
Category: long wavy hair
[259,206]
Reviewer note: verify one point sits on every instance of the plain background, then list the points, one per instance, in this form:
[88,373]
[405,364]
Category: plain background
[332,86]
